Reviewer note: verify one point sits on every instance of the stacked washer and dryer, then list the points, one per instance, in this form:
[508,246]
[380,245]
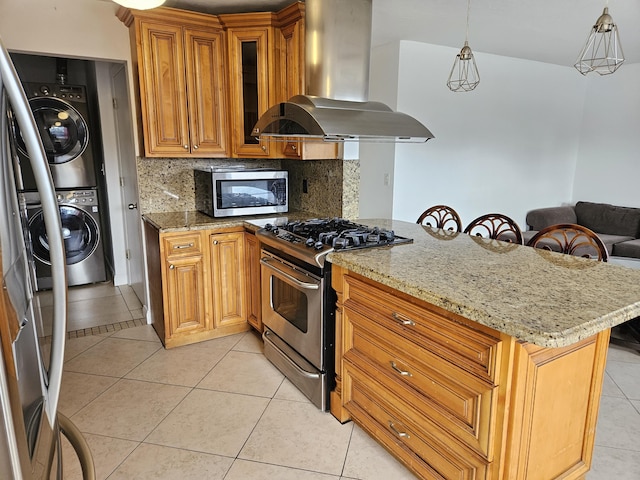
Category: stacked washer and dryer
[62,116]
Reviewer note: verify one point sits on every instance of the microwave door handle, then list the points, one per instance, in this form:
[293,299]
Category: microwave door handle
[294,280]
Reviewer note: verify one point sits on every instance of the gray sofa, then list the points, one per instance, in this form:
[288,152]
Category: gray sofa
[618,227]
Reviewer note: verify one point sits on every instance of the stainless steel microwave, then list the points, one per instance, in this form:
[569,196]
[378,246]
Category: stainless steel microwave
[241,192]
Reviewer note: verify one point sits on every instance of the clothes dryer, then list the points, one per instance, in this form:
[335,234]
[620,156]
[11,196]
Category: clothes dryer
[62,116]
[80,218]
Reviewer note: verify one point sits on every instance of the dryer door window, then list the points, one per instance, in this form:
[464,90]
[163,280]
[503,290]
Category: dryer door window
[63,131]
[79,230]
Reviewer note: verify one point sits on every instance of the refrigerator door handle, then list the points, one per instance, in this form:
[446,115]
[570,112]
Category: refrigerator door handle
[53,226]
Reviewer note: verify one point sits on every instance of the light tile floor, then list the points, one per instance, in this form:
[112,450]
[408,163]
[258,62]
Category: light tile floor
[220,410]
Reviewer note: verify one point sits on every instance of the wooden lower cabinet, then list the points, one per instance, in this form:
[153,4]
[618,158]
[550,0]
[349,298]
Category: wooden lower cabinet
[453,399]
[197,284]
[254,292]
[228,274]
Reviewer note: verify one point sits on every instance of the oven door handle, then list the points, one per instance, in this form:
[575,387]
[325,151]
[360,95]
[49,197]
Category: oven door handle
[307,286]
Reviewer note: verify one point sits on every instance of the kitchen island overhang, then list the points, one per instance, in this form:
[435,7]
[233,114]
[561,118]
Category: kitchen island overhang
[473,358]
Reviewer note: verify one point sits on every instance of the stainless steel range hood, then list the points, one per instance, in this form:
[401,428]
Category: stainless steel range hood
[338,45]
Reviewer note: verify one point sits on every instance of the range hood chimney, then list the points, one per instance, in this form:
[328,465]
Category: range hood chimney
[336,107]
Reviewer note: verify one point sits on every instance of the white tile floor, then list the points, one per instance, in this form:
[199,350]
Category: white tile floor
[220,410]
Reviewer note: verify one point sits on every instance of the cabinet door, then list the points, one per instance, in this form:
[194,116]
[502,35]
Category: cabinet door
[228,275]
[254,297]
[249,88]
[206,67]
[185,294]
[162,90]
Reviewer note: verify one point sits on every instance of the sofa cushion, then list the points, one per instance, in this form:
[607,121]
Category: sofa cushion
[630,248]
[543,217]
[611,240]
[611,219]
[528,235]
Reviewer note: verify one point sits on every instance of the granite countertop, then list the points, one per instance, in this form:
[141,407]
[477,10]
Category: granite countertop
[542,297]
[194,220]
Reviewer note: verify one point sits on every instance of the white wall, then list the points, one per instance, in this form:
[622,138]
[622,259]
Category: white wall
[76,28]
[508,146]
[377,159]
[609,154]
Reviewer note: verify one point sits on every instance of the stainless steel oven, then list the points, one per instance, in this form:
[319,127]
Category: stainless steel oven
[294,312]
[298,303]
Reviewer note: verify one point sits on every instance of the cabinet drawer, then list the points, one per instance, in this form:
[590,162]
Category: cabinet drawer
[449,338]
[382,416]
[182,245]
[460,403]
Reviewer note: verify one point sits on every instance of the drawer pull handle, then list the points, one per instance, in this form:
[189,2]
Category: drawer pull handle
[400,434]
[402,319]
[404,373]
[188,245]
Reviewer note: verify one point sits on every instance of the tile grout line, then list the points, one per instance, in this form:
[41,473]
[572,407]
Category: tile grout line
[102,329]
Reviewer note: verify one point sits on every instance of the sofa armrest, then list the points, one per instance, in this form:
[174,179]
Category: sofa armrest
[540,218]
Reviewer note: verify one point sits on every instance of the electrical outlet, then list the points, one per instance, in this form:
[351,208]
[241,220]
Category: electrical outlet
[305,186]
[386,179]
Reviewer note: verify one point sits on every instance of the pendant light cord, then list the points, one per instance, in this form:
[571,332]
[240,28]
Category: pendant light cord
[466,38]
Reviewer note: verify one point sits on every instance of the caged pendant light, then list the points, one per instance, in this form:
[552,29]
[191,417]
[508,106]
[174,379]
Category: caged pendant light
[602,52]
[464,75]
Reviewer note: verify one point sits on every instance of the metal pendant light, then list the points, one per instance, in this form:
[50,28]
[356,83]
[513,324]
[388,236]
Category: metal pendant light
[602,53]
[140,4]
[464,75]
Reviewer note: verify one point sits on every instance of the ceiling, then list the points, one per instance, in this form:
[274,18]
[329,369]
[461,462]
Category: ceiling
[551,31]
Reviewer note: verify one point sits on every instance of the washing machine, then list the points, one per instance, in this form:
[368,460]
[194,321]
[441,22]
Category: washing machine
[80,218]
[62,116]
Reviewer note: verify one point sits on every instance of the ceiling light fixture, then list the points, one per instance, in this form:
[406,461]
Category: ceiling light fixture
[464,75]
[140,4]
[602,53]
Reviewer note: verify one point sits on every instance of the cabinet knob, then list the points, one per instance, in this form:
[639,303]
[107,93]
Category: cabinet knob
[215,242]
[171,267]
[294,147]
[264,148]
[186,147]
[195,147]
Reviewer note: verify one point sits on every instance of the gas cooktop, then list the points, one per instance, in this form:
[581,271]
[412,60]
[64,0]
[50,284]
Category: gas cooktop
[311,240]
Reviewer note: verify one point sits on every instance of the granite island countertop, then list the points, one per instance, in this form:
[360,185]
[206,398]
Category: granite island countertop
[545,298]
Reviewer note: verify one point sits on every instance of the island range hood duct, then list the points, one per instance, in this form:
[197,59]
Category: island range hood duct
[336,107]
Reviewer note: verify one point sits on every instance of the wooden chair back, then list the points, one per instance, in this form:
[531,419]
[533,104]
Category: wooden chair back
[496,226]
[571,239]
[441,216]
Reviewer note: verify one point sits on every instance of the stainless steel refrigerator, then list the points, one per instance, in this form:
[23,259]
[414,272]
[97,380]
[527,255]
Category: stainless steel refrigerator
[31,359]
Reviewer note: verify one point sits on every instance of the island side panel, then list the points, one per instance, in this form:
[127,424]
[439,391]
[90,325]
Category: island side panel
[542,418]
[554,408]
[335,403]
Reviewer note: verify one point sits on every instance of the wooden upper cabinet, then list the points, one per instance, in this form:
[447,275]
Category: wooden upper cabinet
[252,82]
[181,66]
[205,80]
[206,86]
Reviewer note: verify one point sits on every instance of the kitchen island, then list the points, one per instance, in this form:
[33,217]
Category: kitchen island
[472,358]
